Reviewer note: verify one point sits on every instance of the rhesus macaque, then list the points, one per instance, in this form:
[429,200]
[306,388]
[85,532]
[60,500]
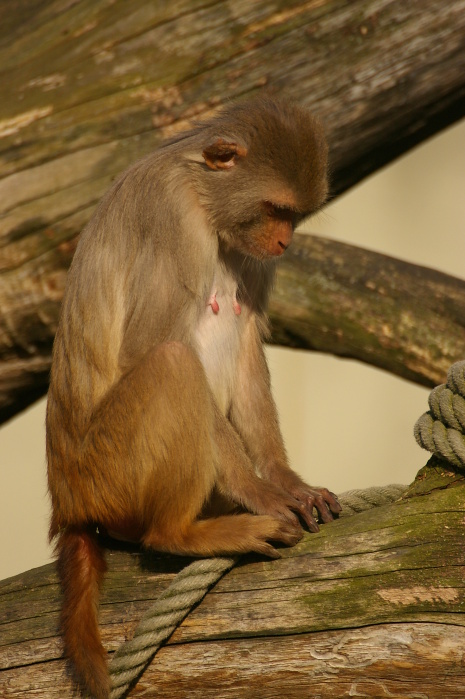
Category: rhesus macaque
[159,401]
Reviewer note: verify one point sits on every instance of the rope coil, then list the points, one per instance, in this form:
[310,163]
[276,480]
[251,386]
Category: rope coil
[442,429]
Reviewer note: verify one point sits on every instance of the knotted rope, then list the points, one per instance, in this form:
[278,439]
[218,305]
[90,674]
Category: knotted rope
[191,585]
[441,430]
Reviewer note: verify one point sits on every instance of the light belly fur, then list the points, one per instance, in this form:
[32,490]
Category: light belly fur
[218,340]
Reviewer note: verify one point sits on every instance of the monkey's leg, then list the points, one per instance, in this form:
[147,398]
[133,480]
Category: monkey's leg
[238,481]
[236,533]
[154,437]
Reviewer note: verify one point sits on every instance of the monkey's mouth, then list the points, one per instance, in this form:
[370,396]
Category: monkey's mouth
[267,251]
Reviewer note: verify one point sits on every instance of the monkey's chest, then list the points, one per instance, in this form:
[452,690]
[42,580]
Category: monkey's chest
[218,340]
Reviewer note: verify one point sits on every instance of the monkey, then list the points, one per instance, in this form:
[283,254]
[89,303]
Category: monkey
[161,428]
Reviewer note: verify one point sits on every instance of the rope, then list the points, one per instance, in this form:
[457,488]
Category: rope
[441,430]
[355,501]
[191,585]
[159,622]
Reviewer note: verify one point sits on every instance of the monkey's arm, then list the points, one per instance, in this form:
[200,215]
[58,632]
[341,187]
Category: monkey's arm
[239,483]
[254,416]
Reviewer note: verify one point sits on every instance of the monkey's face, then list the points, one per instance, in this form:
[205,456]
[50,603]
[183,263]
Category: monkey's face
[251,208]
[266,235]
[264,174]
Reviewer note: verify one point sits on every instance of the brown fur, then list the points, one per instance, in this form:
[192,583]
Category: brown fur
[159,407]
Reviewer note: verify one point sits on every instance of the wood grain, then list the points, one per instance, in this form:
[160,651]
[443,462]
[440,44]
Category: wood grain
[373,605]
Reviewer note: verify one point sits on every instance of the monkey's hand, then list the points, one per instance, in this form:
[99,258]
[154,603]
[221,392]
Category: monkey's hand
[306,499]
[273,500]
[320,499]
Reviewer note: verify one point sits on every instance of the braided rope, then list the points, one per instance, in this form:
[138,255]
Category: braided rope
[159,622]
[441,430]
[191,585]
[355,501]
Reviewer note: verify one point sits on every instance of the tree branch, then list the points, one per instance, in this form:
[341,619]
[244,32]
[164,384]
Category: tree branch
[337,298]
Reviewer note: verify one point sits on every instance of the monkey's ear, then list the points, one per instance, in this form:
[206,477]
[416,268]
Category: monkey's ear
[222,155]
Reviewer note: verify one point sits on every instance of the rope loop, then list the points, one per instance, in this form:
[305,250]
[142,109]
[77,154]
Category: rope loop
[442,429]
[159,622]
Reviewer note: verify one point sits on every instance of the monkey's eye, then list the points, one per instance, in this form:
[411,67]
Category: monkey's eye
[222,155]
[226,157]
[282,213]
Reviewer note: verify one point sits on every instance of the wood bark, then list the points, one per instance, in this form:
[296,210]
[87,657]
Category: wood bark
[337,298]
[371,606]
[90,86]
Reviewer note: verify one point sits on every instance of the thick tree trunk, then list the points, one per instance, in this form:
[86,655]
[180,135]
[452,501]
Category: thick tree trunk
[371,606]
[90,86]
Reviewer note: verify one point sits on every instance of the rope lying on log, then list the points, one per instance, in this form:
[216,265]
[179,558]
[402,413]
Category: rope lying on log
[441,430]
[191,585]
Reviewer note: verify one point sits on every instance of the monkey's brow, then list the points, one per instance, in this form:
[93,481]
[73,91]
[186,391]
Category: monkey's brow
[281,206]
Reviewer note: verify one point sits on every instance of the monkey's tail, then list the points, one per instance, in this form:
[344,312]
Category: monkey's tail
[81,567]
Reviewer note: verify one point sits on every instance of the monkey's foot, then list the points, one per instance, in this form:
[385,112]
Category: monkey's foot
[283,532]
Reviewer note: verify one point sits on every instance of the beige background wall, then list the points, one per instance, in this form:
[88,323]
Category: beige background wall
[346,425]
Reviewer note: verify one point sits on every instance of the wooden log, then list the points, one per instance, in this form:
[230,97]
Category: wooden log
[371,606]
[338,298]
[88,87]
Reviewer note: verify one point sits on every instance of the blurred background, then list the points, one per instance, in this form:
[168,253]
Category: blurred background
[346,425]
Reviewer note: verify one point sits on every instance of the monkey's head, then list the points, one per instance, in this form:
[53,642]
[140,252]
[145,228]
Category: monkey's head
[263,170]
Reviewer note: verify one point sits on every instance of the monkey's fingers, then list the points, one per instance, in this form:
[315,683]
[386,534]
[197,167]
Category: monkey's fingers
[278,504]
[286,512]
[291,505]
[320,499]
[306,514]
[324,502]
[331,500]
[303,506]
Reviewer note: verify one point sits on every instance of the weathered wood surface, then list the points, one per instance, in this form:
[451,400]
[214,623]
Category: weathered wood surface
[337,298]
[372,606]
[90,86]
